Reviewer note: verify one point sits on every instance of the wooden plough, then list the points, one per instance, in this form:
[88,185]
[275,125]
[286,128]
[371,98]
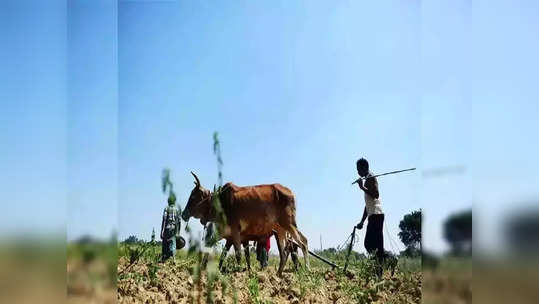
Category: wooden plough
[330,263]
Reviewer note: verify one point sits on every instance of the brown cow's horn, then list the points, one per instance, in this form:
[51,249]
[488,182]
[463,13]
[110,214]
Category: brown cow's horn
[196,178]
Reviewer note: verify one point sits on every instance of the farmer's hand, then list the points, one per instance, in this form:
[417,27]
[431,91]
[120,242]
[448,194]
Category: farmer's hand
[360,184]
[359,226]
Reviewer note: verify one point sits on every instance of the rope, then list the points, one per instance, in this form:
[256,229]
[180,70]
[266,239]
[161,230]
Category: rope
[392,242]
[345,243]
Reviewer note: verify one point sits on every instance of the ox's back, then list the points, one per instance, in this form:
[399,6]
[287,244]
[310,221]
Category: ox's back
[259,209]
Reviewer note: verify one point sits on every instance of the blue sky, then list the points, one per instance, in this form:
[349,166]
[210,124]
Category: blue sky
[297,92]
[505,107]
[99,97]
[33,117]
[92,118]
[445,113]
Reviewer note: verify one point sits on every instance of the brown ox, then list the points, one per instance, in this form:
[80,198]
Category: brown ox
[252,212]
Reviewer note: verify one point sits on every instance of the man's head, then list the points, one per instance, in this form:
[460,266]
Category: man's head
[171,199]
[362,167]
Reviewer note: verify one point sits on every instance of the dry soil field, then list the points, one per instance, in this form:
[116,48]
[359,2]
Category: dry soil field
[181,281]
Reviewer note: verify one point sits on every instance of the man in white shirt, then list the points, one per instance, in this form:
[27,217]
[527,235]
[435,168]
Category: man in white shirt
[374,238]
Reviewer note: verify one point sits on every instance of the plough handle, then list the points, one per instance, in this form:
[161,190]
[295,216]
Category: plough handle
[350,248]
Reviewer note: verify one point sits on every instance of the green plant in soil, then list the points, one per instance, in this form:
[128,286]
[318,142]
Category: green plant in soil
[254,289]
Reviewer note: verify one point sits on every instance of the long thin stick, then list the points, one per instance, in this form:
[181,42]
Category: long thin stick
[317,256]
[324,260]
[350,248]
[387,173]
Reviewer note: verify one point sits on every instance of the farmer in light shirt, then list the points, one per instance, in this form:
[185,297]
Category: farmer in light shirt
[374,238]
[170,227]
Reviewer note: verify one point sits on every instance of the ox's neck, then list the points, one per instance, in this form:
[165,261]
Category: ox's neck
[208,211]
[212,216]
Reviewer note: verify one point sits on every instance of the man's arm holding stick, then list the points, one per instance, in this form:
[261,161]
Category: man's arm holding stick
[370,187]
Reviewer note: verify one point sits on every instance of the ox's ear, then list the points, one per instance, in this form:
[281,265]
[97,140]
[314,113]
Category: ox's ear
[197,181]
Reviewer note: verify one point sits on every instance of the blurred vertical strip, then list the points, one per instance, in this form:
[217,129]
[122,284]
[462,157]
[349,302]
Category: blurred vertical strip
[33,190]
[93,122]
[505,167]
[445,151]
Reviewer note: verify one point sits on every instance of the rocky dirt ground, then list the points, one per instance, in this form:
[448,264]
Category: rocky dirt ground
[86,284]
[91,273]
[448,283]
[148,281]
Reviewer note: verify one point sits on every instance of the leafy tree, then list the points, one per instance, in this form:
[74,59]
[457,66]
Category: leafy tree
[410,233]
[132,240]
[429,260]
[521,232]
[458,232]
[86,239]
